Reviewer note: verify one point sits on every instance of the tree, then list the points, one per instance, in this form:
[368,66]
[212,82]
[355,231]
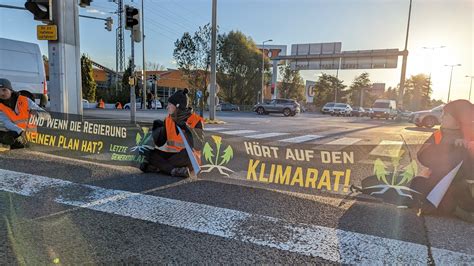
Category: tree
[359,89]
[325,90]
[417,93]
[239,68]
[292,84]
[150,66]
[89,86]
[193,58]
[391,93]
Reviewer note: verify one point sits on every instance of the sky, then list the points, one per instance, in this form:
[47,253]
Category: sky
[358,24]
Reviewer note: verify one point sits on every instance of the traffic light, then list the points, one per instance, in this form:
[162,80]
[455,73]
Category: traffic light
[41,9]
[108,24]
[84,3]
[132,17]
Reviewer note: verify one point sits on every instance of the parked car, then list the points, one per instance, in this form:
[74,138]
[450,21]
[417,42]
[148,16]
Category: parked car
[285,106]
[156,103]
[328,108]
[427,118]
[227,107]
[359,111]
[343,109]
[384,109]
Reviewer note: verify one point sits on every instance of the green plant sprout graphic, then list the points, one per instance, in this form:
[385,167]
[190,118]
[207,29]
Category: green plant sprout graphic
[216,161]
[399,179]
[142,142]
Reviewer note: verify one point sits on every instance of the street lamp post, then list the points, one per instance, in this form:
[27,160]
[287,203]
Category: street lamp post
[263,68]
[431,58]
[470,87]
[451,78]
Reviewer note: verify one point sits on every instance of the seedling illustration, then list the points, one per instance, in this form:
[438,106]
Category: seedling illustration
[141,142]
[400,177]
[216,161]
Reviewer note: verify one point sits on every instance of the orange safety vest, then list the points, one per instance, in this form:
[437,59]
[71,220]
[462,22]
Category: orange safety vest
[20,119]
[101,104]
[438,136]
[174,142]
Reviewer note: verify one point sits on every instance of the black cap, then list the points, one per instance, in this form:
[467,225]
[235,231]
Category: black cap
[180,99]
[5,83]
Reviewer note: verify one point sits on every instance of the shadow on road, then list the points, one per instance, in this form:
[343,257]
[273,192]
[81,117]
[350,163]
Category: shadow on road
[420,129]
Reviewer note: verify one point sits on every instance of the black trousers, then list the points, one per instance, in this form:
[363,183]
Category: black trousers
[8,137]
[166,161]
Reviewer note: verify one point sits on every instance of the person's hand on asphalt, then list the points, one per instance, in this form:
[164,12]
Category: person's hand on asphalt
[22,138]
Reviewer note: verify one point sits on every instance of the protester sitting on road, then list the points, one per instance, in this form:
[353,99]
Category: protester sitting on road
[442,152]
[171,157]
[14,113]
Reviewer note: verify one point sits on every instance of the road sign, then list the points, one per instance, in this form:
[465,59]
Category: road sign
[47,32]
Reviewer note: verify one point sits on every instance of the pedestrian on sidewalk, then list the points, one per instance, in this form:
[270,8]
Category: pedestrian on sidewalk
[170,156]
[14,114]
[444,151]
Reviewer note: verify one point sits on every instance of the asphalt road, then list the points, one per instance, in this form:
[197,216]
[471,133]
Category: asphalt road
[67,211]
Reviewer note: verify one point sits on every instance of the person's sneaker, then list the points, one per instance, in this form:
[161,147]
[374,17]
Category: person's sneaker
[148,168]
[180,172]
[4,147]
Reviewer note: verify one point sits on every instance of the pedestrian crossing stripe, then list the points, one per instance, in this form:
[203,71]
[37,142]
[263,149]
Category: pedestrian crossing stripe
[338,144]
[266,135]
[387,148]
[238,132]
[301,139]
[333,244]
[214,128]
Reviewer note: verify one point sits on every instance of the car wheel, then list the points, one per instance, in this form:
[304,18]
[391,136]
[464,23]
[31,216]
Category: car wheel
[429,122]
[286,112]
[260,111]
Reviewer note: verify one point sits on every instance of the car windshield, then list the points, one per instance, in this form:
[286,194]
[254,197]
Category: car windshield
[329,105]
[340,105]
[381,105]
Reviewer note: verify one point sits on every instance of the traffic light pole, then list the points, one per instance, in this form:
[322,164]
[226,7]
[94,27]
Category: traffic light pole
[133,102]
[144,101]
[65,86]
[212,91]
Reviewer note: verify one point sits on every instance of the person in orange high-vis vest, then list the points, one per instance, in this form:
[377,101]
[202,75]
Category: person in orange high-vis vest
[101,104]
[442,152]
[14,113]
[170,156]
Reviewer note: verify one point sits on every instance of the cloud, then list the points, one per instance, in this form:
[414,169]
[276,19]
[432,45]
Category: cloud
[95,11]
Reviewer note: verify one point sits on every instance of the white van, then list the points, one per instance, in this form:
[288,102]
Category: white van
[384,109]
[22,64]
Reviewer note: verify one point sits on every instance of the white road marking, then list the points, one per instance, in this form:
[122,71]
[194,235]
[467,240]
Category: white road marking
[266,135]
[301,138]
[312,240]
[387,148]
[214,128]
[338,144]
[238,132]
[344,141]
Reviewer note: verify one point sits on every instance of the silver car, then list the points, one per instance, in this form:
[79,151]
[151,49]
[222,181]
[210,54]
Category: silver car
[286,107]
[427,118]
[343,109]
